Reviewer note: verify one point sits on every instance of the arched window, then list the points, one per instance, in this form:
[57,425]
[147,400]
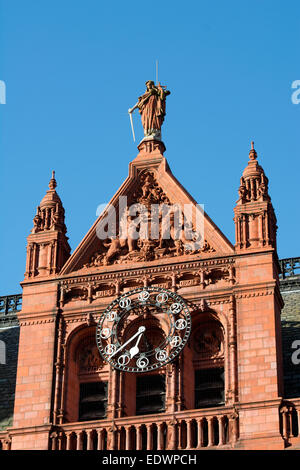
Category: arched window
[87,378]
[93,384]
[208,363]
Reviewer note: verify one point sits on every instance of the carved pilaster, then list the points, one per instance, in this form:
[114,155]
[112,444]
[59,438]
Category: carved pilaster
[233,384]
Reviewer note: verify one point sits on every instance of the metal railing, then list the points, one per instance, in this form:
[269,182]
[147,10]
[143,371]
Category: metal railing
[10,304]
[289,267]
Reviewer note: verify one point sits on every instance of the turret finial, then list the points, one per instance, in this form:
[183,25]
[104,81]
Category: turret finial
[252,153]
[52,184]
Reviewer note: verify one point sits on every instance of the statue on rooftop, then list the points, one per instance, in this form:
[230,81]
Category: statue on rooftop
[152,107]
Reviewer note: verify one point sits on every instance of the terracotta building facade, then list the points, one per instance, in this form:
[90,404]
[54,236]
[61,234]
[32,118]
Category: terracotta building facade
[227,388]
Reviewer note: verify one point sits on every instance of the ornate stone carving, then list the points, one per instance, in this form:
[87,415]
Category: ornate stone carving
[208,342]
[76,293]
[89,359]
[168,243]
[48,247]
[50,213]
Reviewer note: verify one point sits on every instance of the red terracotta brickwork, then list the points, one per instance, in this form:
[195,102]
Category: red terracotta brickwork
[233,293]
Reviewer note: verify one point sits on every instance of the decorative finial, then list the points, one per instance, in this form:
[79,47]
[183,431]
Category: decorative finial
[52,184]
[252,153]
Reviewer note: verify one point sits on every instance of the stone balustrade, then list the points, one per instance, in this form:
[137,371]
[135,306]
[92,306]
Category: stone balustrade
[193,429]
[189,429]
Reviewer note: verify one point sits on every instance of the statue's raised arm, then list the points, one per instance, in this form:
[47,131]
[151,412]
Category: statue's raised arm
[152,107]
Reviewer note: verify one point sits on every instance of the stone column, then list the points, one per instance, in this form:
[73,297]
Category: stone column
[159,436]
[210,432]
[89,440]
[127,445]
[189,434]
[79,441]
[100,439]
[200,433]
[69,440]
[221,431]
[149,437]
[139,437]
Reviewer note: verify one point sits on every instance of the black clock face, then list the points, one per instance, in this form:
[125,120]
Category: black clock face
[143,329]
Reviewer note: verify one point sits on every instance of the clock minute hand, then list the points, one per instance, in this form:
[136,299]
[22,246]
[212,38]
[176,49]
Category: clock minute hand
[139,331]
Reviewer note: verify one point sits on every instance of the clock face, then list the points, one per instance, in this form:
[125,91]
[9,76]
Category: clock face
[143,329]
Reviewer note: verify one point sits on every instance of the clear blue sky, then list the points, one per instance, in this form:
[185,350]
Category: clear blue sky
[73,68]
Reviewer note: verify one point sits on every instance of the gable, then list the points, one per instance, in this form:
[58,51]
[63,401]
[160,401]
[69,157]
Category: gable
[130,238]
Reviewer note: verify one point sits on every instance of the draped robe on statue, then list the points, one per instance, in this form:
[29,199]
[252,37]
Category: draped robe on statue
[152,107]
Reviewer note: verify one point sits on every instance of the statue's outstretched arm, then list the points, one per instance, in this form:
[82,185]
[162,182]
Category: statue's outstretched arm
[130,110]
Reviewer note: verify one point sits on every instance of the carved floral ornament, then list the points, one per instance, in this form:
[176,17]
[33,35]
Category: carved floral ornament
[91,291]
[158,229]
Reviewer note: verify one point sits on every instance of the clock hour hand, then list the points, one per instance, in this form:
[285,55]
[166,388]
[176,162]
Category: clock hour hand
[135,350]
[139,332]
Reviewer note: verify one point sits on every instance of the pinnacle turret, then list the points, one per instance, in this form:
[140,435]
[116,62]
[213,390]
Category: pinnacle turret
[253,183]
[48,247]
[255,219]
[50,213]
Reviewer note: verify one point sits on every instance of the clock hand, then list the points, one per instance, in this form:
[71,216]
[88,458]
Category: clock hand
[139,331]
[135,350]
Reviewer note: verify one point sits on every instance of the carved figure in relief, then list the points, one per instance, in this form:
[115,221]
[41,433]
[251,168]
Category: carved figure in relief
[114,247]
[242,192]
[209,342]
[142,243]
[89,359]
[131,233]
[37,223]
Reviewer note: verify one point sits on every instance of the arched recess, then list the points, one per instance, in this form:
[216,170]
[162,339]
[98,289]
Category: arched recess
[87,377]
[208,363]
